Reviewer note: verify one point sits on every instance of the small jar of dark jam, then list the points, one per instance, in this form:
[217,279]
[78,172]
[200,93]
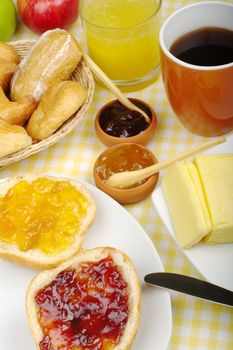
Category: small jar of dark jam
[115,123]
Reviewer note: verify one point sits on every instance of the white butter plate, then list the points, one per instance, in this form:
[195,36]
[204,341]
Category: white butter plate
[214,262]
[115,227]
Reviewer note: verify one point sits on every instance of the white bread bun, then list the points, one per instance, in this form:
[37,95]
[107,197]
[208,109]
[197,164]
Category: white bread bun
[53,58]
[36,257]
[57,105]
[128,273]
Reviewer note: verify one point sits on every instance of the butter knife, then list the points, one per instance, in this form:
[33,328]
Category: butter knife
[192,286]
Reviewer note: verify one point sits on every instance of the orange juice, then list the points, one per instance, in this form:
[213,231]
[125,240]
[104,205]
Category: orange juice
[122,37]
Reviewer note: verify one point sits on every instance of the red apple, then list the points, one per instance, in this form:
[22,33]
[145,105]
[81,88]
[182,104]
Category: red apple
[42,15]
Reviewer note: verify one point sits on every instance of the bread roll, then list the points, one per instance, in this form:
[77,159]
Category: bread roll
[13,138]
[16,112]
[57,105]
[47,231]
[53,58]
[113,309]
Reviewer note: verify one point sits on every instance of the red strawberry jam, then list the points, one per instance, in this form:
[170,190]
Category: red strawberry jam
[85,308]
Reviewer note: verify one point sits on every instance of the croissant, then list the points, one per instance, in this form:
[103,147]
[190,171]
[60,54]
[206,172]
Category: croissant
[7,69]
[8,53]
[16,112]
[9,61]
[12,139]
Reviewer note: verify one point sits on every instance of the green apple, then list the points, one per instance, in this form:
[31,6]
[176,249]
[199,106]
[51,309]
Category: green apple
[7,19]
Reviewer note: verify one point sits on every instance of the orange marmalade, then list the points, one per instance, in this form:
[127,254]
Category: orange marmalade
[44,214]
[124,157]
[85,308]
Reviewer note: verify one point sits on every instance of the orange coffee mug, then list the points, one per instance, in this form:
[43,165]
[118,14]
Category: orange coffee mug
[201,96]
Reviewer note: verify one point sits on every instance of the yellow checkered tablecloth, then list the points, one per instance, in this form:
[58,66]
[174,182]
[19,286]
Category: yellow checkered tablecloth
[197,324]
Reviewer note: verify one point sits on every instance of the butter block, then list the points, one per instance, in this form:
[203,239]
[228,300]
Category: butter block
[185,206]
[193,173]
[216,175]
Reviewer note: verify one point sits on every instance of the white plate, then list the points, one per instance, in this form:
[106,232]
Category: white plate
[113,226]
[214,262]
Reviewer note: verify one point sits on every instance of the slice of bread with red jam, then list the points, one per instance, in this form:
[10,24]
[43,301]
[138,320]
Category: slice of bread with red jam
[89,302]
[43,219]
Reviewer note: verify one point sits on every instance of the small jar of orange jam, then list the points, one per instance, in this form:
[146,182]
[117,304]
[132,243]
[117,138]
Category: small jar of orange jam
[125,157]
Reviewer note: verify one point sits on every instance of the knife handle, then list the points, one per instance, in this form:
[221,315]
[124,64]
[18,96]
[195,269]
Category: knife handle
[192,286]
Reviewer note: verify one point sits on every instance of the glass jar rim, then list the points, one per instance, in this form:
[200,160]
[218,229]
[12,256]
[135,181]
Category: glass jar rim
[118,28]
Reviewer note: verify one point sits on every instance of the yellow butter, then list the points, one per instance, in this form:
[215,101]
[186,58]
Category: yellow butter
[194,175]
[184,203]
[216,174]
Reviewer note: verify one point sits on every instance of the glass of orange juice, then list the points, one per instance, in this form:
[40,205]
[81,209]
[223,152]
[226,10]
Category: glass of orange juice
[122,39]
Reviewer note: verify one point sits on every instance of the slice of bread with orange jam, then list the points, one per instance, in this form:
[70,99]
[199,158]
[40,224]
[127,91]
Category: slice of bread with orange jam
[43,219]
[89,302]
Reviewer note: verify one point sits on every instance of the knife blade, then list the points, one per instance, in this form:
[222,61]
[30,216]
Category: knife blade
[192,286]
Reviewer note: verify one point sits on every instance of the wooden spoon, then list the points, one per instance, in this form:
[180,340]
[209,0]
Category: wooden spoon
[129,178]
[112,87]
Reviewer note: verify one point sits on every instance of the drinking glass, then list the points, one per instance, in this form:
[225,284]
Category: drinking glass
[122,39]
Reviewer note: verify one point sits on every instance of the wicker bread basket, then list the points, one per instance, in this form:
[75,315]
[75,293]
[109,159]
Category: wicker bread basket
[81,74]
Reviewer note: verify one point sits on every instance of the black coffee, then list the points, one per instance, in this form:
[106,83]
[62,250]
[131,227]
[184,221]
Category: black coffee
[205,47]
